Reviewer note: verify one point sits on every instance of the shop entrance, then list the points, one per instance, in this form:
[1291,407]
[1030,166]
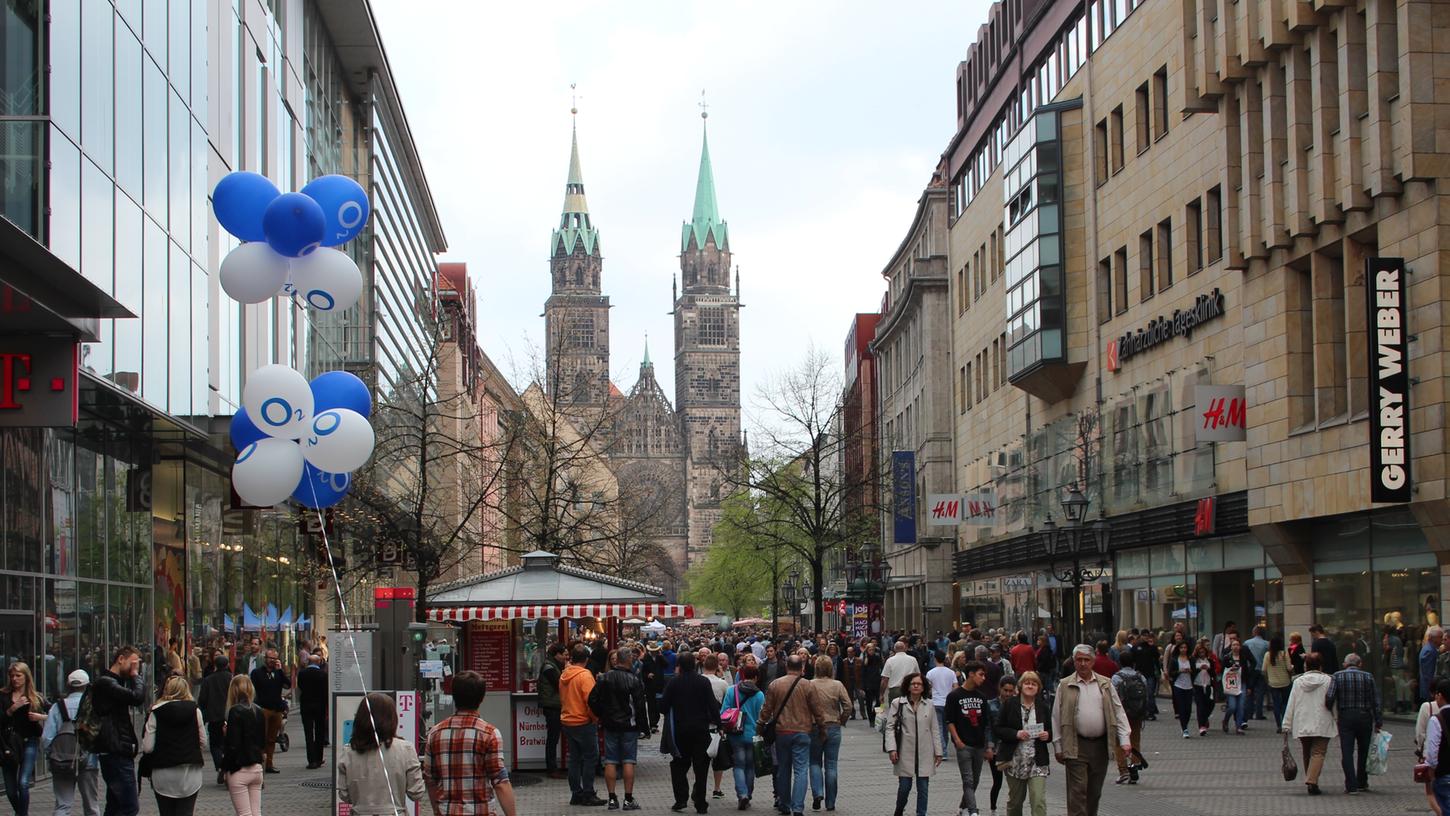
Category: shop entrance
[1227,596]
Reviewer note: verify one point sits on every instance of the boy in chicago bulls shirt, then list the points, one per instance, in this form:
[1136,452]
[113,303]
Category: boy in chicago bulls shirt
[967,723]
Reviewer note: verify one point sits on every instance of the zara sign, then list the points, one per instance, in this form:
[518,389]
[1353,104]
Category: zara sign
[1389,381]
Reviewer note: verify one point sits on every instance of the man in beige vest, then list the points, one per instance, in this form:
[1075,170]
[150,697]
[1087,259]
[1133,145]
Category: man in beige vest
[1086,713]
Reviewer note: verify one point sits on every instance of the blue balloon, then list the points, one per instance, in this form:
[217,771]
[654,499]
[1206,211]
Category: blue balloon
[240,200]
[340,389]
[294,224]
[319,490]
[243,431]
[344,204]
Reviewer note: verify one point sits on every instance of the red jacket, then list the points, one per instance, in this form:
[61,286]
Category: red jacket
[1024,658]
[1104,665]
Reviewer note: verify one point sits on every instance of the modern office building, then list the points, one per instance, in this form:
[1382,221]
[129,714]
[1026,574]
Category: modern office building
[1159,243]
[118,118]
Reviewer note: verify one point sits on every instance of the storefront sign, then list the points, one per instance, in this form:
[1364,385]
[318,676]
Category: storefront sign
[491,653]
[1389,382]
[530,732]
[38,382]
[949,509]
[903,496]
[1017,583]
[1222,414]
[1181,323]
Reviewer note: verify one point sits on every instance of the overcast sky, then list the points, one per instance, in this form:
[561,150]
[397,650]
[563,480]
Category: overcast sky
[826,121]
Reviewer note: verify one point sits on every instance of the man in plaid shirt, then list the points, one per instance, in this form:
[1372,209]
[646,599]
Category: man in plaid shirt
[465,768]
[1354,691]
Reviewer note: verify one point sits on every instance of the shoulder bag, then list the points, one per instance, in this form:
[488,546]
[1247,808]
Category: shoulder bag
[766,728]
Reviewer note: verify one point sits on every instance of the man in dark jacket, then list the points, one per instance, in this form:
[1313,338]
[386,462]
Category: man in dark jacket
[312,705]
[212,698]
[1148,660]
[689,702]
[270,681]
[598,662]
[552,705]
[113,695]
[652,672]
[618,701]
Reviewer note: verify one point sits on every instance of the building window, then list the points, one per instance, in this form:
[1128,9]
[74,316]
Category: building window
[1120,277]
[996,366]
[1299,317]
[1160,103]
[1145,265]
[1331,372]
[1105,290]
[1165,254]
[1194,216]
[966,387]
[1116,140]
[1100,151]
[962,390]
[1213,235]
[1142,114]
[712,326]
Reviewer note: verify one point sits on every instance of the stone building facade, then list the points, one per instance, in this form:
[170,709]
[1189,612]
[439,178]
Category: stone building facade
[1135,215]
[671,455]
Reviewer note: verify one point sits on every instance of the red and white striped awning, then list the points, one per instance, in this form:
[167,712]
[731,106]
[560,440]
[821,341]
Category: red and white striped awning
[459,614]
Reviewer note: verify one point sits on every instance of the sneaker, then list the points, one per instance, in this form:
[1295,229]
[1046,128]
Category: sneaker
[630,804]
[1241,731]
[1203,732]
[613,804]
[1123,779]
[745,803]
[1185,733]
[718,794]
[592,800]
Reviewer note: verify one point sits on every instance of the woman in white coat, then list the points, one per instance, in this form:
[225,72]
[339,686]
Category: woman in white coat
[912,742]
[1309,720]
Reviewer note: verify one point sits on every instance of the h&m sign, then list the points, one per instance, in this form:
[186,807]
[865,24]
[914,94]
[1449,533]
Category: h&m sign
[1389,381]
[949,509]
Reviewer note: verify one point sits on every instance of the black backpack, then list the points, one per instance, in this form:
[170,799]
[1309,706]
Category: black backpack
[1134,693]
[88,724]
[65,755]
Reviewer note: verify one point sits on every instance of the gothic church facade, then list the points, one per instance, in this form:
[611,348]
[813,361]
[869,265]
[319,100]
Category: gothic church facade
[668,456]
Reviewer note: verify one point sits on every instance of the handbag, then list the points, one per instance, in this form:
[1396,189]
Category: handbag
[766,729]
[1290,768]
[1424,774]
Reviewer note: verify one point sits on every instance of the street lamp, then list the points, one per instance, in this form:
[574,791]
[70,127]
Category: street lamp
[1066,546]
[788,591]
[806,597]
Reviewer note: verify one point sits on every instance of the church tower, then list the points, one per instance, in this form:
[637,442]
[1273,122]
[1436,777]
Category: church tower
[576,315]
[707,358]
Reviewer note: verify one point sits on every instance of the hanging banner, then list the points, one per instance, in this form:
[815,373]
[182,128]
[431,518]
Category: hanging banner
[1389,382]
[903,496]
[978,509]
[1222,414]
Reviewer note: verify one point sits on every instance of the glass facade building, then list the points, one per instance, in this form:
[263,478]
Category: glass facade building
[116,120]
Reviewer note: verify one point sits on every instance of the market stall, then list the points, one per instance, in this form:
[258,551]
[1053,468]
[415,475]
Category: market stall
[507,618]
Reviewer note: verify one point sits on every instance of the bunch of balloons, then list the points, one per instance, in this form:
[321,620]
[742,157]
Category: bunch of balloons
[300,439]
[288,238]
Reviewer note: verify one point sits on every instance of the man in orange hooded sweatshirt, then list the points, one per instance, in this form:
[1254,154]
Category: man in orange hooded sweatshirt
[580,727]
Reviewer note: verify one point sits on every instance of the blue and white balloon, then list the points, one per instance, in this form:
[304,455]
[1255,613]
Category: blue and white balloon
[319,489]
[340,441]
[341,389]
[252,272]
[243,431]
[265,471]
[278,401]
[239,200]
[327,280]
[344,205]
[294,225]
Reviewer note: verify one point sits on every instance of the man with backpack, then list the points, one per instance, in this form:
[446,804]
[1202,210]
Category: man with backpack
[1133,691]
[72,770]
[618,700]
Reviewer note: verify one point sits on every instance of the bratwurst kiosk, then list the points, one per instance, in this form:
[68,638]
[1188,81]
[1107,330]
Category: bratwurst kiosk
[508,617]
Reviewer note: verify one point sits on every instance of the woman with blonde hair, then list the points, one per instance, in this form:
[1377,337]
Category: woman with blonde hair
[826,744]
[1119,647]
[172,742]
[242,759]
[20,730]
[377,772]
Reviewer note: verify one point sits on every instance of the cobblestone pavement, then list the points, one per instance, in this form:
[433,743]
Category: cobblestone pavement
[1220,775]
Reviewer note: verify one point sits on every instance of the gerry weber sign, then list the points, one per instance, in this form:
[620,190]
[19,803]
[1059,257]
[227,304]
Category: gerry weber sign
[1389,382]
[1164,328]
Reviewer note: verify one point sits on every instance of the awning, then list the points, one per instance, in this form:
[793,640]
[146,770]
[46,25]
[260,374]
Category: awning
[458,614]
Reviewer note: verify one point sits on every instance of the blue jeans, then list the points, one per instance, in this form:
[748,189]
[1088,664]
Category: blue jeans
[621,747]
[17,780]
[1235,707]
[1261,693]
[1442,792]
[583,756]
[903,791]
[792,756]
[1281,704]
[941,726]
[825,753]
[742,750]
[119,774]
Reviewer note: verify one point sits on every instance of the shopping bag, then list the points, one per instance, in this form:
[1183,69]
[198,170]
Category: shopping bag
[1290,768]
[764,758]
[714,747]
[1379,754]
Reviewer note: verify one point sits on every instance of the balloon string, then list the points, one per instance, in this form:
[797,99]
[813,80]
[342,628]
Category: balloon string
[352,643]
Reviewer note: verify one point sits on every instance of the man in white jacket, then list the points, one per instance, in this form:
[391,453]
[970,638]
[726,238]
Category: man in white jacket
[86,779]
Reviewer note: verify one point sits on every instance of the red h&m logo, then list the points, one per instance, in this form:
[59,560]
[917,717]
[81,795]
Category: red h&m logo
[1203,518]
[1112,356]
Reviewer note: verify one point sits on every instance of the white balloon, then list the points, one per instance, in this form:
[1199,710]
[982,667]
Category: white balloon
[253,272]
[326,280]
[340,440]
[278,401]
[267,471]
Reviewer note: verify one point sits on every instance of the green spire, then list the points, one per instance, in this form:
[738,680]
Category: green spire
[646,350]
[706,222]
[574,222]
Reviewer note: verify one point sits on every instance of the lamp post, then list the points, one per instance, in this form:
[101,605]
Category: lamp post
[806,597]
[788,592]
[1067,545]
